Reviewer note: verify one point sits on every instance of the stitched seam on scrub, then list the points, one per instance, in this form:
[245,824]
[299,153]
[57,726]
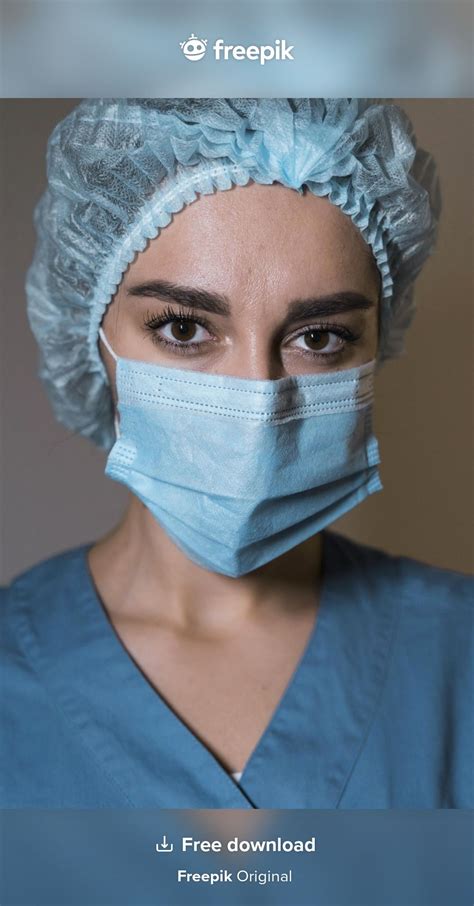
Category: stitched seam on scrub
[56,700]
[379,698]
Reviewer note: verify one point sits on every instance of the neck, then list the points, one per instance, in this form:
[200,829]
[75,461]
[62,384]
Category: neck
[141,573]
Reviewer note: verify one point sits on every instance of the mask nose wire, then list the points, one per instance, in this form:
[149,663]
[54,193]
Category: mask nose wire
[107,344]
[114,356]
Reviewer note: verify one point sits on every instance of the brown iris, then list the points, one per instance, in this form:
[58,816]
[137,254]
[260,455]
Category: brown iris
[183,330]
[316,339]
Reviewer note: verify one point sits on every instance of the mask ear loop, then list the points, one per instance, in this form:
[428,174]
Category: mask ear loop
[107,344]
[115,357]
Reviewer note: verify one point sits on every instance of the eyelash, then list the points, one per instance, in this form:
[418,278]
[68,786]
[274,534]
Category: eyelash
[153,322]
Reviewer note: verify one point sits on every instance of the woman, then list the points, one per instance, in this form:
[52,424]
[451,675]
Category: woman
[220,647]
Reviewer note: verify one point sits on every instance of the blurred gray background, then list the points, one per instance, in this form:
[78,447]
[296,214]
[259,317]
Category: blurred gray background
[101,48]
[53,491]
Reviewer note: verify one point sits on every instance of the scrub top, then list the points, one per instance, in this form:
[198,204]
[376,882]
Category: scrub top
[377,715]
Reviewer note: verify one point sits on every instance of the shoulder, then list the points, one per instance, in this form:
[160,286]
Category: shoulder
[430,610]
[38,584]
[34,612]
[45,570]
[414,583]
[431,606]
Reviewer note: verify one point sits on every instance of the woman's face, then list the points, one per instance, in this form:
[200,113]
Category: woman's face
[255,282]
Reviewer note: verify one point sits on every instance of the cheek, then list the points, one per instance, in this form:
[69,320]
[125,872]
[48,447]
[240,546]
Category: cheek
[375,324]
[109,366]
[372,332]
[367,347]
[113,390]
[110,330]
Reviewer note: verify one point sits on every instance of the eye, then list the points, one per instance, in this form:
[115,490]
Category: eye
[176,331]
[184,331]
[319,341]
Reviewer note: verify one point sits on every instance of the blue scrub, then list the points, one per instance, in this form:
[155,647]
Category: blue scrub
[378,713]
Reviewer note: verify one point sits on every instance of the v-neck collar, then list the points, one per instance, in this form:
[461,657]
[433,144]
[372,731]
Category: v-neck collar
[308,749]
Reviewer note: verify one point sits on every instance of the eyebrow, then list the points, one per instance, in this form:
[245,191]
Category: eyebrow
[327,305]
[215,303]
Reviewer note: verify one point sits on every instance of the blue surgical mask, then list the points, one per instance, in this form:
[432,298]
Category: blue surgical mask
[239,471]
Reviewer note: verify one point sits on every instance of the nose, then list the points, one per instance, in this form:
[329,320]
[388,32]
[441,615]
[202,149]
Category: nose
[254,363]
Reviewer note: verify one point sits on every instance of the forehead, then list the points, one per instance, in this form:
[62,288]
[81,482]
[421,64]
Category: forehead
[255,236]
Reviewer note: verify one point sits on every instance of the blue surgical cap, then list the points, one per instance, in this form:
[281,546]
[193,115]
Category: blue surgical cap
[118,169]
